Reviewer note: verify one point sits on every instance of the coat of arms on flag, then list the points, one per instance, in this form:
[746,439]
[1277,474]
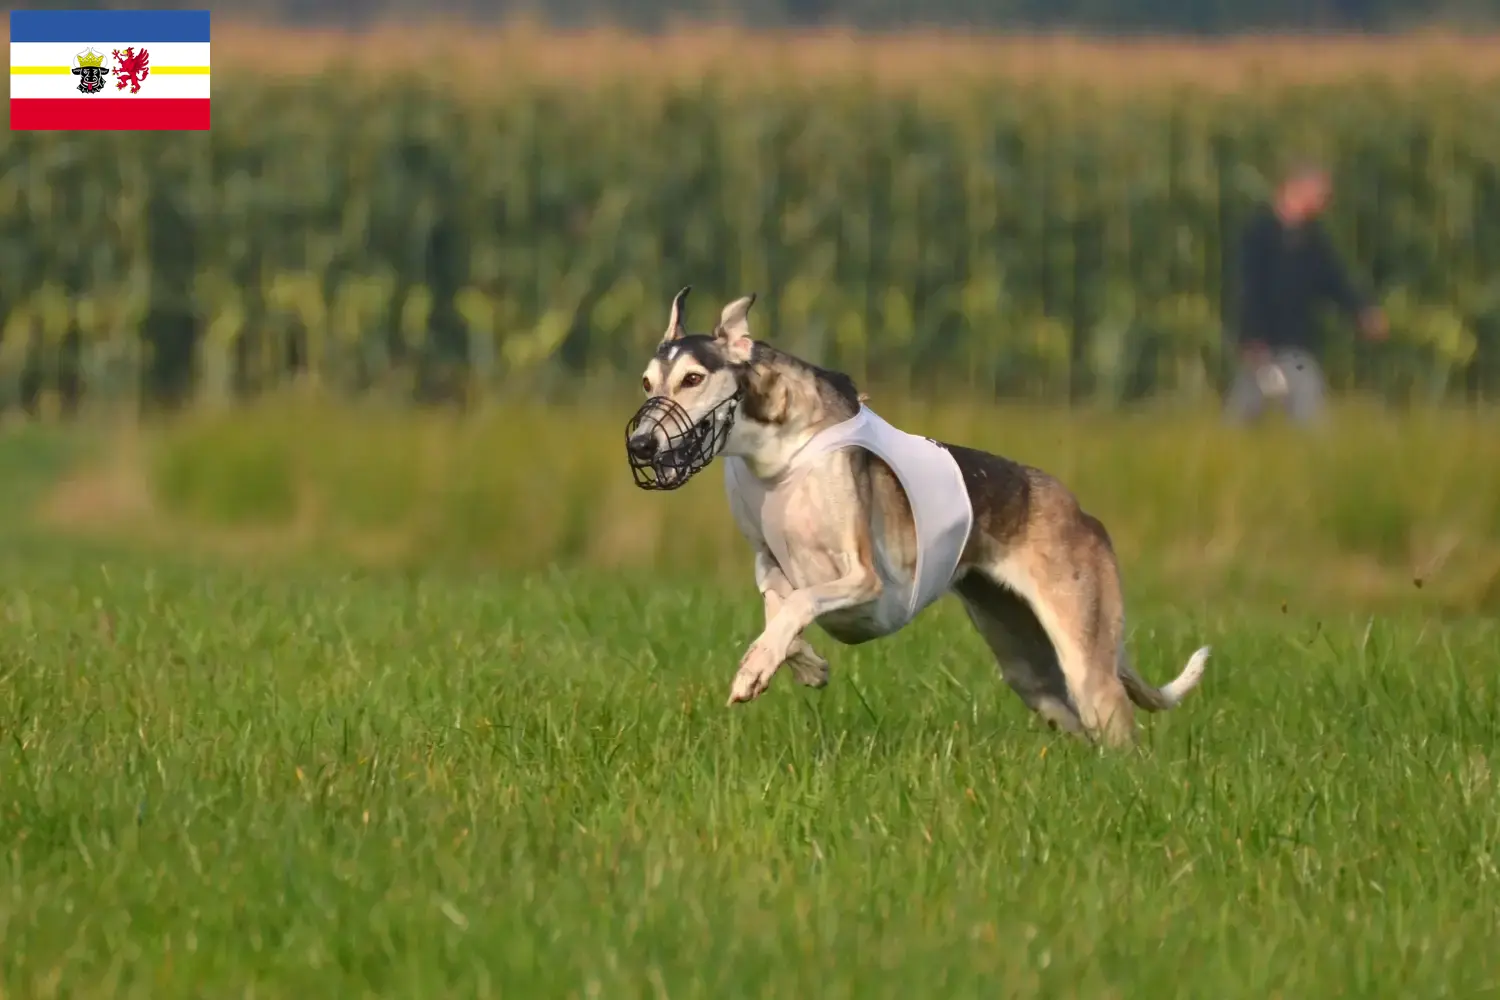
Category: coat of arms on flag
[109,69]
[89,67]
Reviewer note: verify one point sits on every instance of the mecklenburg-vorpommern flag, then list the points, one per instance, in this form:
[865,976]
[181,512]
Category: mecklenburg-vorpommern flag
[109,69]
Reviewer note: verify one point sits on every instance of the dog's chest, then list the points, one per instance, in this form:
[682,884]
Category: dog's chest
[804,522]
[812,554]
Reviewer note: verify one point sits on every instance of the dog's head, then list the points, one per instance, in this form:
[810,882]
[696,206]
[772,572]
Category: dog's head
[694,384]
[700,371]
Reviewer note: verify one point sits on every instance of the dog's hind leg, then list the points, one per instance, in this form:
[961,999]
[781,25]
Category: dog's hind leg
[1073,587]
[1025,656]
[1031,539]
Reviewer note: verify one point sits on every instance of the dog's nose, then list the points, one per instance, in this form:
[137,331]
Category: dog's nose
[643,449]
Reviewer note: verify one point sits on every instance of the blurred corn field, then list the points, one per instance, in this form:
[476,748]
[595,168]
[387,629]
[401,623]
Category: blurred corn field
[1012,239]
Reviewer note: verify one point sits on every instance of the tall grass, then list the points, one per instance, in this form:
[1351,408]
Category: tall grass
[1382,509]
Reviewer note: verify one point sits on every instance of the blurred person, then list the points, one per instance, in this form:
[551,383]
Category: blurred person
[1288,267]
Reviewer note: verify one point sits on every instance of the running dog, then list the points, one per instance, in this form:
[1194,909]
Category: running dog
[858,526]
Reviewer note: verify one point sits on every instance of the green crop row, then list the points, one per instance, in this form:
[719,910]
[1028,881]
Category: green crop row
[1010,239]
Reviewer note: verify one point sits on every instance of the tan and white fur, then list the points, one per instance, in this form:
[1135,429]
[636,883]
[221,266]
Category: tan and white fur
[1038,576]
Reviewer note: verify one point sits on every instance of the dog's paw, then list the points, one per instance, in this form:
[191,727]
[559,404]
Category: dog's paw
[808,667]
[754,676]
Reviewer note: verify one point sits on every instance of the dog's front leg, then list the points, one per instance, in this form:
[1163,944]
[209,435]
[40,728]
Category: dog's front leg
[809,668]
[798,610]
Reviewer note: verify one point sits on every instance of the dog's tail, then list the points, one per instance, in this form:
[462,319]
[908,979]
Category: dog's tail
[1169,695]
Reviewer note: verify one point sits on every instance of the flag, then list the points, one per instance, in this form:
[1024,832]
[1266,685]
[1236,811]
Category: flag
[109,69]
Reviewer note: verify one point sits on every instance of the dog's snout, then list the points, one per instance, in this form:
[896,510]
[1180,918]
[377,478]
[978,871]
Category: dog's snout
[643,448]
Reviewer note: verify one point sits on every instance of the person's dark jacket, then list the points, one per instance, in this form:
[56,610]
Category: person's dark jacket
[1285,273]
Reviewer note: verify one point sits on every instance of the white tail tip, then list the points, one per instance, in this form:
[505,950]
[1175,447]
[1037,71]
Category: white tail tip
[1178,689]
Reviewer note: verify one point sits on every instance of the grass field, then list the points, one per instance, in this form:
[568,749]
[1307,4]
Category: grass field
[319,777]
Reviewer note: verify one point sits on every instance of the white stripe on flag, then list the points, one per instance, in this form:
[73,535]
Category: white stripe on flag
[62,53]
[67,86]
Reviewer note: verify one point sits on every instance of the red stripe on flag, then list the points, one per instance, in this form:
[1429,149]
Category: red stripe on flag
[71,113]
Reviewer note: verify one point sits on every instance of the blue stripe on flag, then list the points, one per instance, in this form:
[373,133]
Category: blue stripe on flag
[109,26]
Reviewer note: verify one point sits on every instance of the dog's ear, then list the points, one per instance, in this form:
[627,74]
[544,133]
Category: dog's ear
[733,331]
[675,326]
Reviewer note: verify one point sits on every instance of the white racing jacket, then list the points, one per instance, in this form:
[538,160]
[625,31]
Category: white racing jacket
[934,487]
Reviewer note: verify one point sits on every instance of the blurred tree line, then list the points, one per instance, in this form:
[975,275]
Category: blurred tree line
[1185,16]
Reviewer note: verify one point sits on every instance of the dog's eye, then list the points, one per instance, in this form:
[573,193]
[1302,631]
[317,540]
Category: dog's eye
[691,379]
[646,384]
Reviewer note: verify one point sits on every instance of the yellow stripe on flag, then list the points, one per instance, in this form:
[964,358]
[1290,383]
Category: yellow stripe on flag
[65,70]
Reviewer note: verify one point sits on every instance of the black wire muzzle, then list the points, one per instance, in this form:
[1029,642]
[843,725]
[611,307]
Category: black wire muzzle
[666,447]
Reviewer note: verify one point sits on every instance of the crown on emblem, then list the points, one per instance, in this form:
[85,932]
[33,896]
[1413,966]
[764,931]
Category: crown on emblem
[90,59]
